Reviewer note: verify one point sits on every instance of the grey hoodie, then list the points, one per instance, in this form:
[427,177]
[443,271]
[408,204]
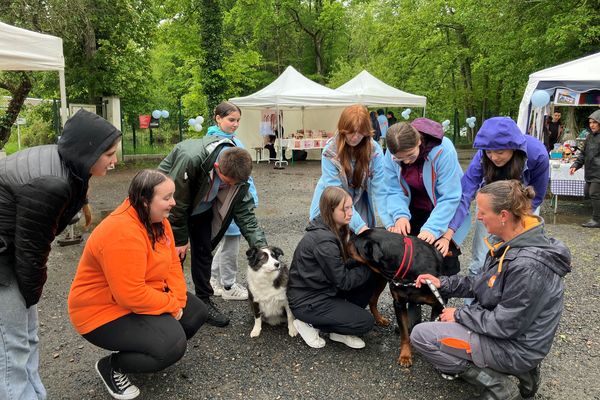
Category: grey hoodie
[518,298]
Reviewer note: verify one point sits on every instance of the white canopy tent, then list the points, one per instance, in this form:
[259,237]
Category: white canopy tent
[306,105]
[580,75]
[370,91]
[23,50]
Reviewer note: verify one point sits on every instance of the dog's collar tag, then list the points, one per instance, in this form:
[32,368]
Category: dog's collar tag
[404,265]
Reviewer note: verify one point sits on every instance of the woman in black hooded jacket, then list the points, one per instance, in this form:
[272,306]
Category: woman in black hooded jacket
[41,189]
[327,291]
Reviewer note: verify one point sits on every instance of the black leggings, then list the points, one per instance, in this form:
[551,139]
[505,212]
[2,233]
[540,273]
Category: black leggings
[149,343]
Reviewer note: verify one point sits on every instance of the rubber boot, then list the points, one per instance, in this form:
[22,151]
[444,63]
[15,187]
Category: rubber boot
[495,385]
[529,382]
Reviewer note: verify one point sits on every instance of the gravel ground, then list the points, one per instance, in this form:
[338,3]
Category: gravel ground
[225,363]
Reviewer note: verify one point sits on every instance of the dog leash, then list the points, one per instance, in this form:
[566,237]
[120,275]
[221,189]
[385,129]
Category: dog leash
[435,292]
[404,268]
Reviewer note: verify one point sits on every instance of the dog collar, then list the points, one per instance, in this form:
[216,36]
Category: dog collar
[407,258]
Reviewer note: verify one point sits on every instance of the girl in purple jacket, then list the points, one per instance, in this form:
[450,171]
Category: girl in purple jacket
[504,153]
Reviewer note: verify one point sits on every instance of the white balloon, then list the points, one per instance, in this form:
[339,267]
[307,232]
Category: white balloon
[197,127]
[164,114]
[446,123]
[192,121]
[471,124]
[199,119]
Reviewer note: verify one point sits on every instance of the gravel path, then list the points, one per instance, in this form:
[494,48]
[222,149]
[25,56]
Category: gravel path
[225,363]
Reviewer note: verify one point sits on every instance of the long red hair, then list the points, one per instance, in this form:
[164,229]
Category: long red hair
[355,119]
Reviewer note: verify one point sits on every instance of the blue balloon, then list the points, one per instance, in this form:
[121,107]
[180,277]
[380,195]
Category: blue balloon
[192,121]
[164,114]
[156,114]
[540,98]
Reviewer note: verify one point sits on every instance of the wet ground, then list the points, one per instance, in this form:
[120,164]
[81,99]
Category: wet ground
[225,363]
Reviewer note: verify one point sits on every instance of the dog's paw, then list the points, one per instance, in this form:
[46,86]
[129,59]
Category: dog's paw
[292,331]
[382,321]
[255,332]
[405,360]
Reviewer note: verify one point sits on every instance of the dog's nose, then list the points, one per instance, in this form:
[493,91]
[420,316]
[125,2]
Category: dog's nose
[276,264]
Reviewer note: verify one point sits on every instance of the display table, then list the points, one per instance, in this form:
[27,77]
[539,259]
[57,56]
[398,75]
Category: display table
[564,184]
[304,144]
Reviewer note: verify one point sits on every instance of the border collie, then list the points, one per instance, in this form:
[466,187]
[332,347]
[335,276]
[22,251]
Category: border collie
[267,284]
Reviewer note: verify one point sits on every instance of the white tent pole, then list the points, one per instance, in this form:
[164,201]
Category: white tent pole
[64,112]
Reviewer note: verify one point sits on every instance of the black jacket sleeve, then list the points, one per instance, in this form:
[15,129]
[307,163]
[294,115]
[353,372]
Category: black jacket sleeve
[329,258]
[39,207]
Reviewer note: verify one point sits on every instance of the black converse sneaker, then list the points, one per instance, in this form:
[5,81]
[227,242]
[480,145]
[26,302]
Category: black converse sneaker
[118,384]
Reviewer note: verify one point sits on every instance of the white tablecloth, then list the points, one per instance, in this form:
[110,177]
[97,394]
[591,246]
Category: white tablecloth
[304,144]
[564,184]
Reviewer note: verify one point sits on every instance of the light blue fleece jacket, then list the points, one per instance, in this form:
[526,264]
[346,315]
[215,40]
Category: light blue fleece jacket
[332,174]
[441,177]
[233,230]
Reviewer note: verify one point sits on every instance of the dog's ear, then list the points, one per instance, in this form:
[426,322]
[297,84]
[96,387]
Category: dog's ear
[251,253]
[374,251]
[277,252]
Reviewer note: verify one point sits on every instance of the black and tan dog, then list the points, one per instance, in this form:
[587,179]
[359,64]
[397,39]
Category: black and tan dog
[399,260]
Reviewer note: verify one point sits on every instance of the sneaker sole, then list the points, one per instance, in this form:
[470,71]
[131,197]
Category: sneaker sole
[225,297]
[360,346]
[116,395]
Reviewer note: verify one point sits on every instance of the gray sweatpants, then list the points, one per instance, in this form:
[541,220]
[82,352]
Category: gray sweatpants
[225,264]
[428,339]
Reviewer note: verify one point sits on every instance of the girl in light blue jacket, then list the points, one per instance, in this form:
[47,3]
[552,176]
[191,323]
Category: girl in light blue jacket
[225,266]
[353,161]
[422,176]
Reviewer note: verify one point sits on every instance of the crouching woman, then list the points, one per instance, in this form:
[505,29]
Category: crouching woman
[510,326]
[129,293]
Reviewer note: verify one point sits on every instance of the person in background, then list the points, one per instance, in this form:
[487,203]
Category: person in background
[211,180]
[503,153]
[383,123]
[270,145]
[589,157]
[391,119]
[328,291]
[353,161]
[518,300]
[555,130]
[41,189]
[375,126]
[225,260]
[129,294]
[422,175]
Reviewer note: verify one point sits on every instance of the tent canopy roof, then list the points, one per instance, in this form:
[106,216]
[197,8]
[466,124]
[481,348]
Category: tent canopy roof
[23,50]
[370,91]
[292,89]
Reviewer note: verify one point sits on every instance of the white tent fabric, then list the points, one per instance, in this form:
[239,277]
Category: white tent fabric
[370,91]
[579,75]
[23,50]
[292,89]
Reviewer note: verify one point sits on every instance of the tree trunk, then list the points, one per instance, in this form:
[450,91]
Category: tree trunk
[19,93]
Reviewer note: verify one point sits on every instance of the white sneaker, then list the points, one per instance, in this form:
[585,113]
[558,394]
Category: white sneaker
[217,288]
[349,340]
[309,334]
[235,292]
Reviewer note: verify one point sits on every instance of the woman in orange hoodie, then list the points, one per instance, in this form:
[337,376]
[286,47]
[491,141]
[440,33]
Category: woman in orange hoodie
[129,293]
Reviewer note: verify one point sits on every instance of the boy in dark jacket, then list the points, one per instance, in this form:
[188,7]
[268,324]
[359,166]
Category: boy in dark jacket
[211,189]
[41,190]
[590,158]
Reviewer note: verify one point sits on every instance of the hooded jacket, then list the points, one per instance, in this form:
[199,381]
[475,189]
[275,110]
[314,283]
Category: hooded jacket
[372,188]
[441,177]
[589,156]
[502,133]
[191,165]
[318,270]
[518,298]
[41,189]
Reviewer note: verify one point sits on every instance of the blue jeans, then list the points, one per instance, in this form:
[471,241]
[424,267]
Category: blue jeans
[19,351]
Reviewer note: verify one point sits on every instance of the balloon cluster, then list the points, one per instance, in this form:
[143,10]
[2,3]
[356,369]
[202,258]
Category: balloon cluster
[540,98]
[406,113]
[471,122]
[196,123]
[156,114]
[446,124]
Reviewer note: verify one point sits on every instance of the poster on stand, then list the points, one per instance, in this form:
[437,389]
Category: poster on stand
[268,123]
[565,97]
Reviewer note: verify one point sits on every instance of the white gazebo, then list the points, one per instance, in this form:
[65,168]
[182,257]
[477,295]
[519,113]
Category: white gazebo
[372,92]
[23,50]
[579,75]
